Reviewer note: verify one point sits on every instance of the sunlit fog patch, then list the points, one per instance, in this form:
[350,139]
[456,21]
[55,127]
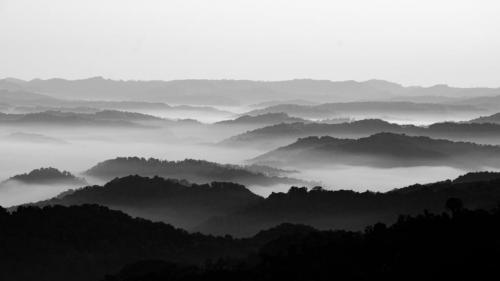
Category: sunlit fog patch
[81,154]
[202,116]
[418,120]
[361,178]
[423,121]
[267,190]
[14,193]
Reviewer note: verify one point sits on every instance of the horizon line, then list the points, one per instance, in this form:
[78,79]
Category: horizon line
[249,80]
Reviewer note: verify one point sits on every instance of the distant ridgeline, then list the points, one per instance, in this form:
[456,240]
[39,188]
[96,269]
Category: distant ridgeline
[236,92]
[21,101]
[227,208]
[65,118]
[364,108]
[264,119]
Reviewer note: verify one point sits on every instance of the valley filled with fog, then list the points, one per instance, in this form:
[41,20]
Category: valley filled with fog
[57,123]
[249,140]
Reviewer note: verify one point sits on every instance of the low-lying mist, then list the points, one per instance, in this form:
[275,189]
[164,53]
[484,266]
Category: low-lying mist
[361,178]
[77,148]
[80,154]
[83,152]
[14,193]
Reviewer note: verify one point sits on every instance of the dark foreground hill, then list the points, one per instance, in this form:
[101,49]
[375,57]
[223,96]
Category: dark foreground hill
[383,150]
[477,176]
[344,209]
[86,242]
[198,171]
[226,208]
[463,246]
[176,202]
[93,243]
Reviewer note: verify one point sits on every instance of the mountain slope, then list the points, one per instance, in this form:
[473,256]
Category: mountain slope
[261,120]
[477,176]
[278,135]
[99,119]
[463,245]
[345,209]
[86,242]
[383,150]
[47,176]
[368,108]
[94,243]
[198,171]
[495,119]
[226,208]
[179,203]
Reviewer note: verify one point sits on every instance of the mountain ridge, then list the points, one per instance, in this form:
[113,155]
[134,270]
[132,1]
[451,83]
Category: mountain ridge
[47,175]
[224,91]
[198,171]
[382,150]
[271,137]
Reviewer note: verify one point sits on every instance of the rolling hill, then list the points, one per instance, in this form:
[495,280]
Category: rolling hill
[382,150]
[271,137]
[346,209]
[87,242]
[198,171]
[46,176]
[107,118]
[228,208]
[261,120]
[494,118]
[366,108]
[172,201]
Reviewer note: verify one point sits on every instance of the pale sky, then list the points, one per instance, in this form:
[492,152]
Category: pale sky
[421,42]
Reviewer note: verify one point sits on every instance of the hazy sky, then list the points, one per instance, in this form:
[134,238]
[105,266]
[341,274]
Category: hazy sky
[412,42]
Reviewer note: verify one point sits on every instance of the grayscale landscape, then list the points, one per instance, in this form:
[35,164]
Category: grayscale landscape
[249,140]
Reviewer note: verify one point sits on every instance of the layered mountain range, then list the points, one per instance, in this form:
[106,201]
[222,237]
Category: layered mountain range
[282,134]
[228,208]
[382,150]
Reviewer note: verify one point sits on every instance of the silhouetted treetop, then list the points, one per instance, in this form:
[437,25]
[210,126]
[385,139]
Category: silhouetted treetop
[477,176]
